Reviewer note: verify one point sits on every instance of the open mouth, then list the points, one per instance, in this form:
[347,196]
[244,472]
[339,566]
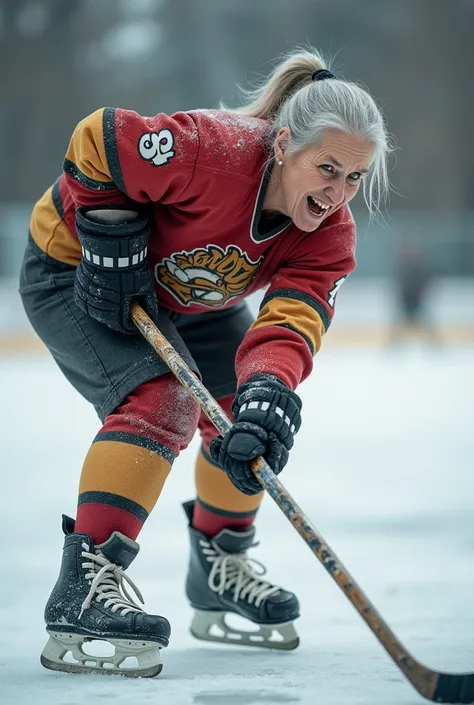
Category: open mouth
[316,208]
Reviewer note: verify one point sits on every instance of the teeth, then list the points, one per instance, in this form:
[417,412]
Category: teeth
[321,205]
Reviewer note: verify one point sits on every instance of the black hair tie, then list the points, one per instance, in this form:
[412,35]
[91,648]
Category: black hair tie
[321,74]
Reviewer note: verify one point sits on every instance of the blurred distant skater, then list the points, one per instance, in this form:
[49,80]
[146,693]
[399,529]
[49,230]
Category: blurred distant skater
[413,278]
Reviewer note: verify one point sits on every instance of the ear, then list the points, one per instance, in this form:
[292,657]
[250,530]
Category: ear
[281,142]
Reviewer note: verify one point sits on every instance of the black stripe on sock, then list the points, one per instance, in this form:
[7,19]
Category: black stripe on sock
[136,440]
[225,513]
[114,500]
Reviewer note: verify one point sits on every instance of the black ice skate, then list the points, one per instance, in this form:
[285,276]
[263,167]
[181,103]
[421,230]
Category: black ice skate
[222,579]
[90,602]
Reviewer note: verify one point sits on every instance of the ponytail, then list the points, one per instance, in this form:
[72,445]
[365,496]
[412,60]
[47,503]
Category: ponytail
[294,71]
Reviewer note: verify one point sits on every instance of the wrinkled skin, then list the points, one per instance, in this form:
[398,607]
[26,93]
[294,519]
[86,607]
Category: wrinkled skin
[330,171]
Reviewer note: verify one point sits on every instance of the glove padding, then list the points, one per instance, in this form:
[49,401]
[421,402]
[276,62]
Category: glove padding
[103,287]
[107,296]
[267,416]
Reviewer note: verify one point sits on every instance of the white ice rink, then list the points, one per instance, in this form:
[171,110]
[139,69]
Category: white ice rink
[383,467]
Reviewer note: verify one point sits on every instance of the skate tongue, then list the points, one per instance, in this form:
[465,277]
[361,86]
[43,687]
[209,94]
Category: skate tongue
[119,549]
[232,541]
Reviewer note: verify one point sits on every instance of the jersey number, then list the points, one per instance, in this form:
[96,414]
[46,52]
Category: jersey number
[157,147]
[333,293]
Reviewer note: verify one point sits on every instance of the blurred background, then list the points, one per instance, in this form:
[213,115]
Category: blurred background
[63,59]
[383,462]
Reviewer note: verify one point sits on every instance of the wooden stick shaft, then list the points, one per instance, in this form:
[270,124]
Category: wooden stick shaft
[424,680]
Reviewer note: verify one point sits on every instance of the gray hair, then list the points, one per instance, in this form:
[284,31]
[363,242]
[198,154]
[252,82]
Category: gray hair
[290,98]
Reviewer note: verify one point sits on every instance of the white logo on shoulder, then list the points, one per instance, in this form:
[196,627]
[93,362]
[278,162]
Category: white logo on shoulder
[157,147]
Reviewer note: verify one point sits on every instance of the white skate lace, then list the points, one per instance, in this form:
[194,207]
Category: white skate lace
[107,585]
[238,571]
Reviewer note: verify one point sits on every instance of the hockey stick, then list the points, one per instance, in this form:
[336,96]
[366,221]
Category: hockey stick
[435,686]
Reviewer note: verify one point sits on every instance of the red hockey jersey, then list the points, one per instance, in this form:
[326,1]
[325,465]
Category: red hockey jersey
[205,175]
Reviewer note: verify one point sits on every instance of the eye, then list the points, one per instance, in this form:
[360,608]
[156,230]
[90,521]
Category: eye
[327,168]
[355,176]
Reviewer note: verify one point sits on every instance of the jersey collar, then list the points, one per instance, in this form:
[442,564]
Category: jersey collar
[254,231]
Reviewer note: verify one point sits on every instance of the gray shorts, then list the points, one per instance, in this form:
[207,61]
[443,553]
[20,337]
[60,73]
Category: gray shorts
[105,366]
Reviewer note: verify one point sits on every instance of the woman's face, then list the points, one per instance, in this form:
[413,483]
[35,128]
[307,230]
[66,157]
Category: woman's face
[312,184]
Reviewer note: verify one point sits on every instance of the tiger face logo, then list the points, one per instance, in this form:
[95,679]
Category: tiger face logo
[207,276]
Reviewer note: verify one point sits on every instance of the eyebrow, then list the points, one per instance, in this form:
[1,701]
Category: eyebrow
[339,166]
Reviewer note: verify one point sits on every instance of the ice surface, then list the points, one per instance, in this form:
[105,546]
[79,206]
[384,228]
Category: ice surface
[383,466]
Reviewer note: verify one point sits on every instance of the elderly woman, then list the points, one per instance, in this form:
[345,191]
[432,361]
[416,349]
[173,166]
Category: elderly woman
[189,214]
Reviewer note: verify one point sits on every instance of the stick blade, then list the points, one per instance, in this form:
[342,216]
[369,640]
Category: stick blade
[455,688]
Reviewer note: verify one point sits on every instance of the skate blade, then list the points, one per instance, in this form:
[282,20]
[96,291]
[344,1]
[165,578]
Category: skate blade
[147,654]
[203,623]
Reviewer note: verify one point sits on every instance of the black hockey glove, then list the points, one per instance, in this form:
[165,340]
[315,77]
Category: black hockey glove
[267,416]
[113,269]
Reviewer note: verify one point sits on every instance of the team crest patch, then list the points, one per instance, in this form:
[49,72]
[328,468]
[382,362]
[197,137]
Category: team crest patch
[207,276]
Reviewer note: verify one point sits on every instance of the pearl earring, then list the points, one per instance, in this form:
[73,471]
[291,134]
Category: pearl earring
[279,162]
